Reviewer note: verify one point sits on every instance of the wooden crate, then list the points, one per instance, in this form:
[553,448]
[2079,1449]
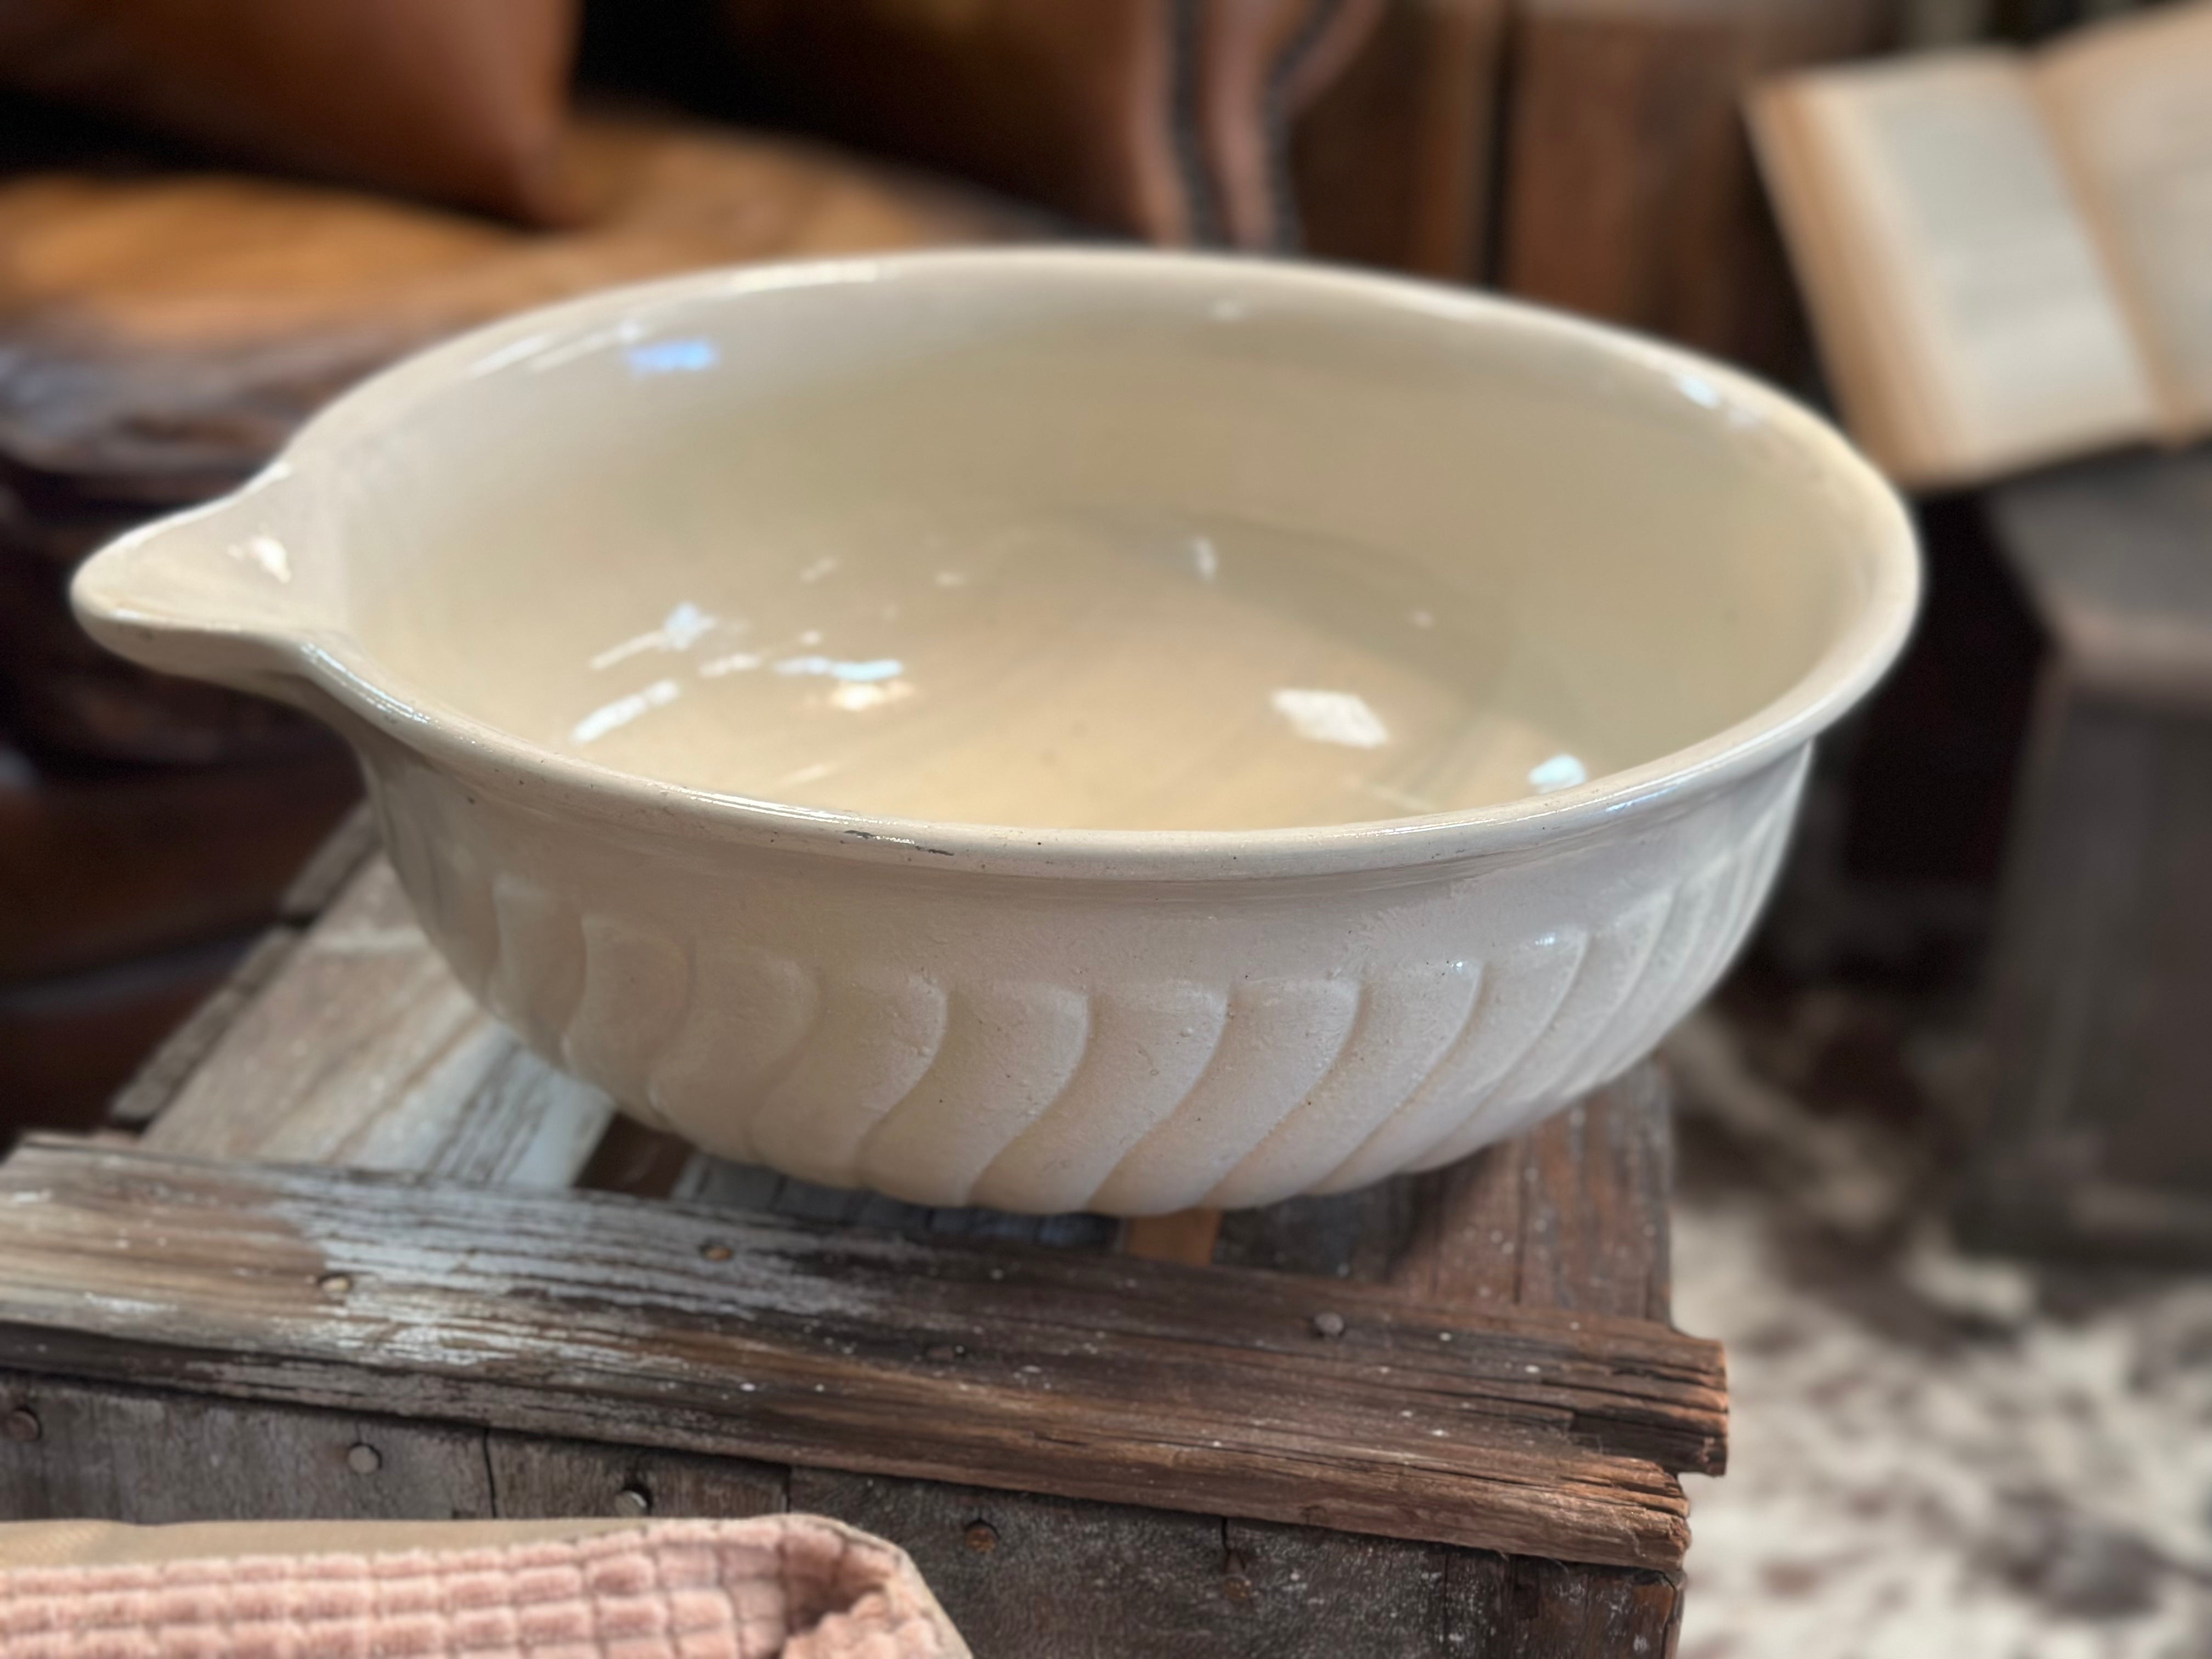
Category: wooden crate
[2101,1000]
[346,1249]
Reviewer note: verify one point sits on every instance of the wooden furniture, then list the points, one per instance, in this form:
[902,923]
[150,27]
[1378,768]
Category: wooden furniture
[344,1249]
[2100,1008]
[1393,165]
[1627,187]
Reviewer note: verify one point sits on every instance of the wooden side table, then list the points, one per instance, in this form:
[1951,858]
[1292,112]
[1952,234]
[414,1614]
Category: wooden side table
[345,1250]
[2101,1003]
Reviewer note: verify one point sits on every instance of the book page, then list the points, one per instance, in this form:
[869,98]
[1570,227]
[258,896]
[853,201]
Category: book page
[1843,293]
[2131,105]
[1995,330]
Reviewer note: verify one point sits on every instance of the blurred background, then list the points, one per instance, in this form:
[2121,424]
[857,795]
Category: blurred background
[1946,1167]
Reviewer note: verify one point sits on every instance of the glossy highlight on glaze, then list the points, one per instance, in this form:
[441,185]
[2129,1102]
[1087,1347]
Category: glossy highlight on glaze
[1101,669]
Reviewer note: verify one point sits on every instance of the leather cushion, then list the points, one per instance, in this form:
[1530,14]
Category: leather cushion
[161,334]
[458,100]
[1162,118]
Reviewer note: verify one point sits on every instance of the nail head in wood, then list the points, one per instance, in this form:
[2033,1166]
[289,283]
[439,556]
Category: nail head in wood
[335,1284]
[981,1537]
[22,1425]
[715,1252]
[363,1458]
[633,1501]
[1328,1324]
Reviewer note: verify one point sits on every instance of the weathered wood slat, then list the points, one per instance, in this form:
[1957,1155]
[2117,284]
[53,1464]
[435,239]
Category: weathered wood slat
[1021,1575]
[1524,1607]
[72,1450]
[367,1052]
[1571,1215]
[1649,1390]
[1043,1576]
[535,1479]
[594,1315]
[1466,1239]
[1462,1602]
[1595,1182]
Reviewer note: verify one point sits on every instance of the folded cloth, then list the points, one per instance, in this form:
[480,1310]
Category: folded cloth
[792,1585]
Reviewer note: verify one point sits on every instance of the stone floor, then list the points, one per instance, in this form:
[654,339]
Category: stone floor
[1932,1455]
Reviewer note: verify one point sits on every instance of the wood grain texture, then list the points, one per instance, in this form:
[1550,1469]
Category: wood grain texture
[1594,1181]
[367,1052]
[1573,1215]
[1020,1574]
[1322,1586]
[1024,1575]
[1524,1607]
[150,1456]
[598,1317]
[534,1479]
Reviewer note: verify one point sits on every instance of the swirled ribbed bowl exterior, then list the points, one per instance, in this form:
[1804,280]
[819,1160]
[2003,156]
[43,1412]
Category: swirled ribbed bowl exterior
[952,1037]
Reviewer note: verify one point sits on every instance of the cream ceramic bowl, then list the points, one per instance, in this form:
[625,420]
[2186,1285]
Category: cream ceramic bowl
[1060,729]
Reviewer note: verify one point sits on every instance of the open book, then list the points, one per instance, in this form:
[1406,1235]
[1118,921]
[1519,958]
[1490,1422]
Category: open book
[2007,255]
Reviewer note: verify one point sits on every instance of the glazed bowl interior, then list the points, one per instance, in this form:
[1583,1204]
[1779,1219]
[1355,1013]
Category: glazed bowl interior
[1095,543]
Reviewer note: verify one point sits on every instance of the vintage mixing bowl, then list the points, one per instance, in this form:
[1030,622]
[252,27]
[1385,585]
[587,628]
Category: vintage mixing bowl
[1060,729]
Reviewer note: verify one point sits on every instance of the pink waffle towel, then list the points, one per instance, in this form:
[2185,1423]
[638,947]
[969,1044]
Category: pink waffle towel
[794,1585]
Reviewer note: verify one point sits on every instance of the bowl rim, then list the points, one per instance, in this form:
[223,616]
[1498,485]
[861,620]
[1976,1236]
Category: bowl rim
[337,662]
